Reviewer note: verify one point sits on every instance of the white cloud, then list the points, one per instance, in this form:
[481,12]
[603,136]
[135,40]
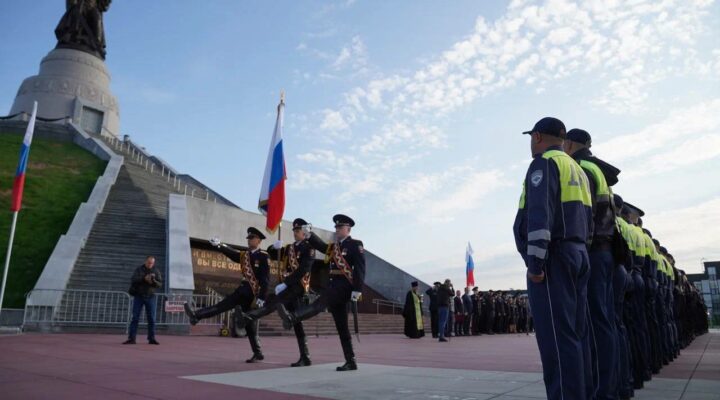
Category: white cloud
[689,233]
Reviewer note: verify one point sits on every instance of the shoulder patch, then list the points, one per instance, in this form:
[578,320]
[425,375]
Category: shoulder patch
[536,177]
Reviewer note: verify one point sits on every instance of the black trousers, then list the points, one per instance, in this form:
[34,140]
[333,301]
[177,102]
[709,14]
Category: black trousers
[335,298]
[434,322]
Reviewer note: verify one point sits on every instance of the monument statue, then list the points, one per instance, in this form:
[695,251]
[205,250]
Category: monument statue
[81,27]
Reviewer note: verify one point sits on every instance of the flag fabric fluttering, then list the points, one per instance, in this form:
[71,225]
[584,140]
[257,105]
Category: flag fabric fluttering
[19,183]
[272,192]
[469,266]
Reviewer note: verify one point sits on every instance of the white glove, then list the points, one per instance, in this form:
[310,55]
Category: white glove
[259,302]
[279,288]
[215,241]
[278,244]
[355,296]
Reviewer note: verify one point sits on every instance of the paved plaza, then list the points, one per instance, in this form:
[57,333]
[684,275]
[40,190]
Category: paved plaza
[502,367]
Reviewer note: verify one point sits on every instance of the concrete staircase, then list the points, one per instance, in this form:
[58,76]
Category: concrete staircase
[323,325]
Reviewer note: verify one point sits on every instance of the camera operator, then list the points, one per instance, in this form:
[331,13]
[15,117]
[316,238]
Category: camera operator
[145,280]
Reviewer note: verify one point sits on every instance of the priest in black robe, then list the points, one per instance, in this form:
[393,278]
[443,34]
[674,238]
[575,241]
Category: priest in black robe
[412,312]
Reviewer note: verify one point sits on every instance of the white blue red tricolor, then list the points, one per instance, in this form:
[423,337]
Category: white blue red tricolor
[19,183]
[470,266]
[272,192]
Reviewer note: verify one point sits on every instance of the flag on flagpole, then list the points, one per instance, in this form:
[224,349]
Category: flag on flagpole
[19,183]
[470,266]
[272,192]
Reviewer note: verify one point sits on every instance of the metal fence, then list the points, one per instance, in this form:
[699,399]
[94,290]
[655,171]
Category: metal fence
[103,308]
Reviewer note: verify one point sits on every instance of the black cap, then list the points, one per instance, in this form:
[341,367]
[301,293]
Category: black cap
[656,242]
[579,136]
[549,126]
[475,289]
[647,232]
[254,232]
[436,283]
[298,223]
[632,209]
[618,201]
[340,220]
[414,283]
[663,250]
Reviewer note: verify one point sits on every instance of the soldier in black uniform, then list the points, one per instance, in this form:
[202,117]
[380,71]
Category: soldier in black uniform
[296,260]
[346,260]
[256,274]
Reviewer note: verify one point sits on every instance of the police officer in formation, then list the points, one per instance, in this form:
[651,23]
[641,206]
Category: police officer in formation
[252,290]
[609,306]
[345,258]
[295,261]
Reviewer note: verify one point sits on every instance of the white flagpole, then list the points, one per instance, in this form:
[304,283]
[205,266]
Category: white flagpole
[7,259]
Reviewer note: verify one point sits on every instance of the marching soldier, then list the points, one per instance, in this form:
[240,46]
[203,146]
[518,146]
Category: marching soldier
[346,260]
[295,262]
[552,229]
[256,274]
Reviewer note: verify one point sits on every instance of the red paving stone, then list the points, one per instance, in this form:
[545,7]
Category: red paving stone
[79,366]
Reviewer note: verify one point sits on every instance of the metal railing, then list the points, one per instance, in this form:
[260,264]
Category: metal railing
[141,158]
[387,303]
[103,308]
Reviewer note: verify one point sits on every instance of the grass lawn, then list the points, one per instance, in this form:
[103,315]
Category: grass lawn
[60,176]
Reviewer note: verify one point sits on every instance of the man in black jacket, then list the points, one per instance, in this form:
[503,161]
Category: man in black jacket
[468,307]
[445,294]
[256,274]
[295,262]
[459,314]
[346,260]
[432,295]
[145,280]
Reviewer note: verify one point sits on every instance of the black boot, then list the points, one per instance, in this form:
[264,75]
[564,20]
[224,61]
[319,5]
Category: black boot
[252,333]
[242,319]
[191,314]
[300,314]
[350,364]
[304,360]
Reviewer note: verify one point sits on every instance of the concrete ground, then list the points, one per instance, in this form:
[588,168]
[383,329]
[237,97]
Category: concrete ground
[502,367]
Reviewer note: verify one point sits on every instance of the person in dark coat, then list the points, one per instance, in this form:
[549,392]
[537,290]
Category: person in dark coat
[145,280]
[468,308]
[459,312]
[476,321]
[412,312]
[488,301]
[445,294]
[432,294]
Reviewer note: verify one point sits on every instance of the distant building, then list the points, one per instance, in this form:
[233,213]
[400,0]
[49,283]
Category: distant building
[707,284]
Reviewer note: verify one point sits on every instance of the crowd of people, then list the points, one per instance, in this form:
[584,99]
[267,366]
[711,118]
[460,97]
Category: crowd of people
[472,313]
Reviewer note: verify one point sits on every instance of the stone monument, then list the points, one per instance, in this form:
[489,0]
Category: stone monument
[73,80]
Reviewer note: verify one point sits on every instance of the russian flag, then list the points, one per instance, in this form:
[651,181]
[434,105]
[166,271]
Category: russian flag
[470,266]
[19,183]
[272,192]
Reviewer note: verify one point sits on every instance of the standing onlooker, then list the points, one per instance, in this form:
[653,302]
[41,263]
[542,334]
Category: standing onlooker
[459,313]
[468,307]
[145,280]
[412,313]
[476,321]
[444,296]
[433,296]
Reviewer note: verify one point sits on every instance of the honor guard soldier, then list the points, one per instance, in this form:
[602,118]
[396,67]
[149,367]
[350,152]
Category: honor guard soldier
[602,264]
[552,229]
[295,262]
[256,277]
[346,260]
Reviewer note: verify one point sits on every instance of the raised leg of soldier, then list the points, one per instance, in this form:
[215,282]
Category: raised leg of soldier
[287,296]
[226,304]
[303,312]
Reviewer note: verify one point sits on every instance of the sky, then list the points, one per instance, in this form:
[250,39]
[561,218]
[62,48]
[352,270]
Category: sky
[407,115]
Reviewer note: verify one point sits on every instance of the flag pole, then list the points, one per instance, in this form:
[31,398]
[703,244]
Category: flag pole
[7,258]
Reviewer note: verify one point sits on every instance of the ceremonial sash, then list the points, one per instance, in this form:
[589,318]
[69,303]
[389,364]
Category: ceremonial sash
[293,265]
[334,254]
[248,273]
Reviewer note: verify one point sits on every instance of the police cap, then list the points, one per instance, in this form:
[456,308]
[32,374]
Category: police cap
[579,136]
[253,232]
[663,250]
[549,126]
[343,220]
[633,210]
[298,223]
[414,283]
[618,201]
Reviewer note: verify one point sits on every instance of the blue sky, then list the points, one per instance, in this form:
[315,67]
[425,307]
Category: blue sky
[407,115]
